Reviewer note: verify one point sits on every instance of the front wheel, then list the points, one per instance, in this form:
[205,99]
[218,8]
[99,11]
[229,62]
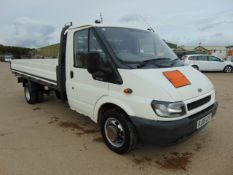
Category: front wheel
[228,69]
[118,132]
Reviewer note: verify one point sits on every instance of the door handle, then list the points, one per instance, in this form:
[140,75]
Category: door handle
[71,74]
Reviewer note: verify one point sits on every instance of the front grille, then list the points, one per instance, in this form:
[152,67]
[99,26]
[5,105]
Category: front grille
[198,103]
[202,112]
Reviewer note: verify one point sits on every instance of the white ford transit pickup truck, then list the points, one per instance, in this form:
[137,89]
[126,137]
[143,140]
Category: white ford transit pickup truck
[126,80]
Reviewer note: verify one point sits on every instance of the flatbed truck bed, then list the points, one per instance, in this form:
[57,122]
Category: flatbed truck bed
[37,69]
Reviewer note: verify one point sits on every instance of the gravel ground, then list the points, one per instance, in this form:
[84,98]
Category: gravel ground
[49,139]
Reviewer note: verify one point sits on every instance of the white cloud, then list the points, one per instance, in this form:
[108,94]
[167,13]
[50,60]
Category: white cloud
[31,33]
[132,18]
[216,39]
[219,38]
[212,25]
[178,21]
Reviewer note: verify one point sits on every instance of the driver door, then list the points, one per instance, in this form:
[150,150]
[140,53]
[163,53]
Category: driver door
[82,90]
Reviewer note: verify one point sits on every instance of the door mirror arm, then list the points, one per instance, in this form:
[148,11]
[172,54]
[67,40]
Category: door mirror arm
[93,62]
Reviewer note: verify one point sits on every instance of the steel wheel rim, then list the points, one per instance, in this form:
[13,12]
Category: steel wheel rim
[27,94]
[114,132]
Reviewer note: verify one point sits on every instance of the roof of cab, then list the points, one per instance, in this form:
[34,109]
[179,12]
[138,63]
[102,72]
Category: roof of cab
[100,25]
[81,26]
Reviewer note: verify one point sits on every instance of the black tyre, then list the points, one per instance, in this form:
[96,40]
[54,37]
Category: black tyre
[30,93]
[195,67]
[228,69]
[58,95]
[118,132]
[40,96]
[39,92]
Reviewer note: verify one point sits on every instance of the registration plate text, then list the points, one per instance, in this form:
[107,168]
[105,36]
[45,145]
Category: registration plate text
[204,120]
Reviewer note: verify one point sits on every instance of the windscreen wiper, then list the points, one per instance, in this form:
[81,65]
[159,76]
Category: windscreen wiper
[144,63]
[174,61]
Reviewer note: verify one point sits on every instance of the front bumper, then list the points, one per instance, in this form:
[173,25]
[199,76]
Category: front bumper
[167,132]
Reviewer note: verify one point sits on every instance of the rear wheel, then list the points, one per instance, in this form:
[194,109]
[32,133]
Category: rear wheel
[228,69]
[40,96]
[30,93]
[118,132]
[33,93]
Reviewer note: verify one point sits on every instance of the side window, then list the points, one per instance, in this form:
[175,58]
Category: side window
[214,59]
[94,46]
[203,58]
[80,48]
[194,58]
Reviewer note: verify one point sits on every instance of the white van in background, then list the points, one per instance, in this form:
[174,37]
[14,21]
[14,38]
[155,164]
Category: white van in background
[204,62]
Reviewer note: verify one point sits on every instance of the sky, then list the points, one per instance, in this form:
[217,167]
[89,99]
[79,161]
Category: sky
[33,23]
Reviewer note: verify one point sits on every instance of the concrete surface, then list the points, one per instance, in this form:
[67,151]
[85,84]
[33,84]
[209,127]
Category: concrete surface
[50,139]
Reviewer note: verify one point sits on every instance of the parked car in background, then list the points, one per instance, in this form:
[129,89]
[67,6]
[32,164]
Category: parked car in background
[205,62]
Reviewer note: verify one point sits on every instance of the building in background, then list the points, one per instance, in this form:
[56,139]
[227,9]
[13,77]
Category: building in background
[218,51]
[230,53]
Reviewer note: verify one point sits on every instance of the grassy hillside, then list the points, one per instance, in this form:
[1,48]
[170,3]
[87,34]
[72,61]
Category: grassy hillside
[48,51]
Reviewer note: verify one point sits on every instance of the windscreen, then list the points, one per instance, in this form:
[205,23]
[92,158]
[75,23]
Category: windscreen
[133,45]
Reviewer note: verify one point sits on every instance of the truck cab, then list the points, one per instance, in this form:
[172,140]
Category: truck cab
[129,82]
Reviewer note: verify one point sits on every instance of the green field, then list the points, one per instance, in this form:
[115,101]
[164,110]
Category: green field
[48,51]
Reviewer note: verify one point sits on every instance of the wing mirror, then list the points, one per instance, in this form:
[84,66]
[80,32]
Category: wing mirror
[96,64]
[93,62]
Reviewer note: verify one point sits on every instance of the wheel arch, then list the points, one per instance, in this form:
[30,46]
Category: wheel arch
[107,103]
[194,65]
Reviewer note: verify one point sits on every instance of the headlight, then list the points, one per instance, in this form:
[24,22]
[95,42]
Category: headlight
[168,109]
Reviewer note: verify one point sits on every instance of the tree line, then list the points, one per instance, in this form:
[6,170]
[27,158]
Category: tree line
[17,52]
